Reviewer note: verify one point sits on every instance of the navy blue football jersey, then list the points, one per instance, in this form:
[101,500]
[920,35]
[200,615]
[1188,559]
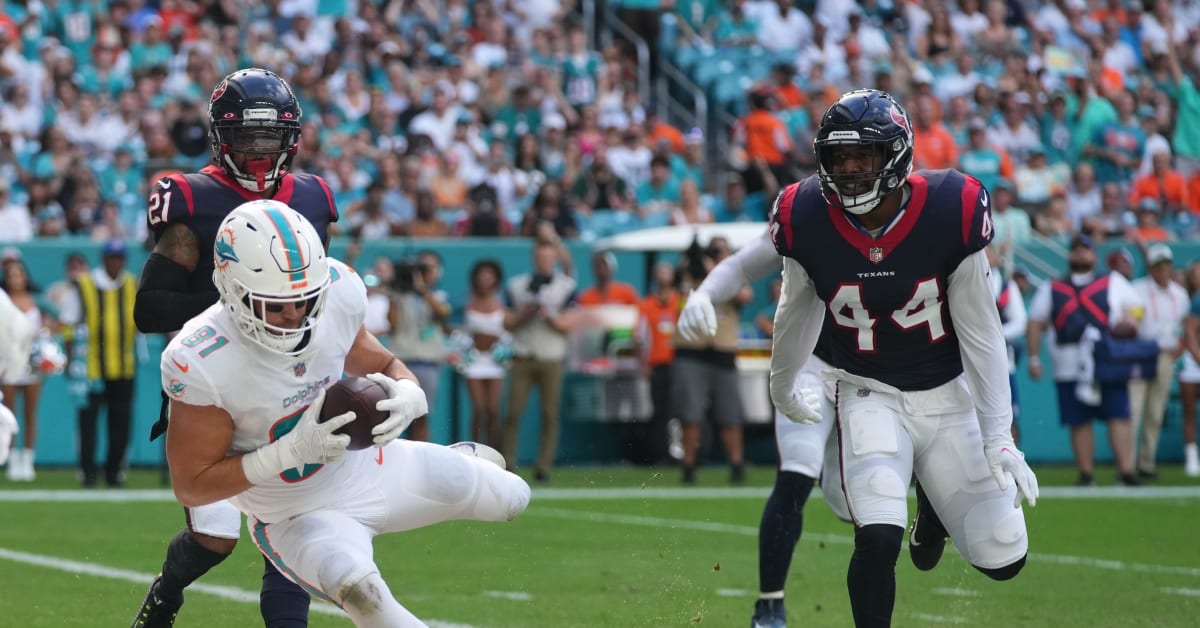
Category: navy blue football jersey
[887,315]
[202,200]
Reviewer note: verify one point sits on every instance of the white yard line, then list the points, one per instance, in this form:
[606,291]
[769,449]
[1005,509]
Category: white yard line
[955,592]
[711,526]
[1181,591]
[601,494]
[112,573]
[939,619]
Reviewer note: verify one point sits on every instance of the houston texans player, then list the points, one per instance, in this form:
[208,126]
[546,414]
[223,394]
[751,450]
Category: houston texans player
[254,131]
[895,261]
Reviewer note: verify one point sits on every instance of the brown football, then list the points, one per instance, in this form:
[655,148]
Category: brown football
[358,395]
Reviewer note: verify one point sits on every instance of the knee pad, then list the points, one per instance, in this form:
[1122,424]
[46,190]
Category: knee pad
[1007,572]
[341,575]
[995,535]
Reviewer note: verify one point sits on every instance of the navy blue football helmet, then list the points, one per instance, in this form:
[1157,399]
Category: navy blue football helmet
[254,127]
[863,118]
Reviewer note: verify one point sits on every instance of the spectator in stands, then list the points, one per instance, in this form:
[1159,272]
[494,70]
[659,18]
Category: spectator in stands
[1070,305]
[599,189]
[1166,307]
[16,223]
[368,219]
[764,321]
[631,159]
[693,209]
[1149,223]
[539,318]
[764,137]
[1036,180]
[659,194]
[1013,225]
[484,216]
[606,290]
[980,159]
[933,146]
[782,26]
[1114,220]
[1186,137]
[735,27]
[1083,198]
[1055,221]
[1116,148]
[427,223]
[1163,184]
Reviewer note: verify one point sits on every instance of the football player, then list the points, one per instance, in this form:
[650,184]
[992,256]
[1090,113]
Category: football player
[894,259]
[247,379]
[254,130]
[807,452]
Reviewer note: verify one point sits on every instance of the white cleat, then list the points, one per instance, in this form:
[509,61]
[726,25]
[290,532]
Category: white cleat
[479,450]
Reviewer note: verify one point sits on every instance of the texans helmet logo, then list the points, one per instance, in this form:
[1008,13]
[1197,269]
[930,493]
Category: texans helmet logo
[900,119]
[219,91]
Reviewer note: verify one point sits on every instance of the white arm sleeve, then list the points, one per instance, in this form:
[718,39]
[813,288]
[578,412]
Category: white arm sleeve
[798,322]
[1014,311]
[1039,305]
[981,342]
[752,262]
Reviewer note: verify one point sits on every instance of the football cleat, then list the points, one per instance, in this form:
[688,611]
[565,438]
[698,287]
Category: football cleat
[479,450]
[769,614]
[928,538]
[156,612]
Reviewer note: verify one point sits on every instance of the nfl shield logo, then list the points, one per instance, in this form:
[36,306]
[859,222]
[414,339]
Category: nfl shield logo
[875,254]
[299,370]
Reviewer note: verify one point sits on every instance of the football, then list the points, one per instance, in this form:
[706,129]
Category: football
[479,450]
[358,395]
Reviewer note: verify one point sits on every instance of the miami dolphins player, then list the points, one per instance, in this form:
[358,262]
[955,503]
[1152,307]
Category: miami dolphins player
[246,380]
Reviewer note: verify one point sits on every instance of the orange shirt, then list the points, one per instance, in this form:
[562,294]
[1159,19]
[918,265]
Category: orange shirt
[934,148]
[1193,193]
[1153,234]
[663,131]
[1171,188]
[658,319]
[766,136]
[618,293]
[791,96]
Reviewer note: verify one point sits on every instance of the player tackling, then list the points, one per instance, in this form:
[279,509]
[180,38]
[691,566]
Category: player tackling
[895,261]
[246,381]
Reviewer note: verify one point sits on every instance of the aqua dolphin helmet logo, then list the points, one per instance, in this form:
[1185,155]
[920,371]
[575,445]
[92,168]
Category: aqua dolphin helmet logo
[224,249]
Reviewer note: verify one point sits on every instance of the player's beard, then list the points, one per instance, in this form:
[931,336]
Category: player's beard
[1079,268]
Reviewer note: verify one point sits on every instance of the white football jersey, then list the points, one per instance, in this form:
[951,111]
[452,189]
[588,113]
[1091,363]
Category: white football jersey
[210,363]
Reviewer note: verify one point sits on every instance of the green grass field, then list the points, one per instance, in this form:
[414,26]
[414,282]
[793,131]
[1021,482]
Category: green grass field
[621,547]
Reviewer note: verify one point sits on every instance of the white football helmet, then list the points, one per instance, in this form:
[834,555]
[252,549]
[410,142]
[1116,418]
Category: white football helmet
[268,254]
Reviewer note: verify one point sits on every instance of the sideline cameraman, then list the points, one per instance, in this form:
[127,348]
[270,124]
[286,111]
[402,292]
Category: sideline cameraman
[419,317]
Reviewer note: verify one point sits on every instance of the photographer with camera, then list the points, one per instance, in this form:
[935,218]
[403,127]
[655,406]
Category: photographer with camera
[539,315]
[704,375]
[419,317]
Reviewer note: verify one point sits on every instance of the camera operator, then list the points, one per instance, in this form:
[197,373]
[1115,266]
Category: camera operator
[419,317]
[704,375]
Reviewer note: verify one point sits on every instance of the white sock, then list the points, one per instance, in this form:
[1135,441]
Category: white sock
[1190,450]
[771,595]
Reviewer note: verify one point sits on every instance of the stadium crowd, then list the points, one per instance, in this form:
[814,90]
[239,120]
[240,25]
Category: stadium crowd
[459,118]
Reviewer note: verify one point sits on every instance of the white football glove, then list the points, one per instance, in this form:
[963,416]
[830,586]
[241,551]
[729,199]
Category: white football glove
[804,405]
[309,442]
[8,431]
[1005,461]
[698,320]
[407,403]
